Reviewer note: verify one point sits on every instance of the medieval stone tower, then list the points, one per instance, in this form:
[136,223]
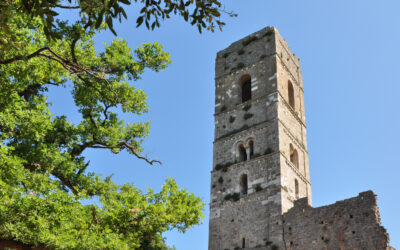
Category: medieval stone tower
[260,146]
[260,161]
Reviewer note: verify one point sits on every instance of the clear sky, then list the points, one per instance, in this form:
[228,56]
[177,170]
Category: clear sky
[349,53]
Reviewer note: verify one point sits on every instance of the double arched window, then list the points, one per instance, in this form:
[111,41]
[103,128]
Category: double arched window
[245,84]
[245,151]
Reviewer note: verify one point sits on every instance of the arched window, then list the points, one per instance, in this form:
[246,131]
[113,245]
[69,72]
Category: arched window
[242,153]
[294,156]
[291,94]
[243,184]
[245,82]
[251,148]
[296,188]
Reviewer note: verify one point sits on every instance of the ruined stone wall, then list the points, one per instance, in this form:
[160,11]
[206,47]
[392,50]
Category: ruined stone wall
[348,224]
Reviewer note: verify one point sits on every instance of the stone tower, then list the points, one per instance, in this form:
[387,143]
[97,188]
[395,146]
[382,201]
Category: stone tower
[260,162]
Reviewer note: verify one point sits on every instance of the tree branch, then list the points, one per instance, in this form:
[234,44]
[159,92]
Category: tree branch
[123,144]
[73,44]
[65,7]
[17,58]
[13,244]
[65,181]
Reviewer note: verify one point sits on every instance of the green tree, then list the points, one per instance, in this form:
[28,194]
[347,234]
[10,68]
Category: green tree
[43,177]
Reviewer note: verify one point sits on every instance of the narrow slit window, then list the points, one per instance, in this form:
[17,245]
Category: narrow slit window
[296,188]
[291,95]
[243,184]
[246,88]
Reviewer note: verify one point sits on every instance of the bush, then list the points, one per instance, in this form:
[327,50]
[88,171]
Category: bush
[244,127]
[258,188]
[269,32]
[231,119]
[240,65]
[268,151]
[224,166]
[249,40]
[274,247]
[241,52]
[233,197]
[221,180]
[247,116]
[247,107]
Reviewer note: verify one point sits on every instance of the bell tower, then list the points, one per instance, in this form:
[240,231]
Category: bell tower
[260,159]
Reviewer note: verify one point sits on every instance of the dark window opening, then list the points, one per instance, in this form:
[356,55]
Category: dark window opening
[243,184]
[251,147]
[242,153]
[246,88]
[291,94]
[296,188]
[243,243]
[294,156]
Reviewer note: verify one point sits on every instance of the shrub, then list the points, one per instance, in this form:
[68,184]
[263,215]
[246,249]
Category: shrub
[224,166]
[247,107]
[258,188]
[241,52]
[231,119]
[249,40]
[240,65]
[221,180]
[233,197]
[268,151]
[274,247]
[269,32]
[223,108]
[254,156]
[247,116]
[234,131]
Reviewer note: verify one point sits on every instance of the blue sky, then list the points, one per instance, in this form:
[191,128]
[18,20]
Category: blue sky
[349,53]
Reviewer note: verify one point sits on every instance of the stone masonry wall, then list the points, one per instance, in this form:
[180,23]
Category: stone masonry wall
[352,224]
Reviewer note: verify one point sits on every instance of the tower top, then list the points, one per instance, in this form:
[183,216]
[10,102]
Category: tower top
[255,42]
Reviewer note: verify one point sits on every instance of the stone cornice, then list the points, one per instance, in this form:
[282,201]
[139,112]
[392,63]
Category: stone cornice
[296,116]
[255,127]
[296,170]
[294,139]
[259,159]
[241,105]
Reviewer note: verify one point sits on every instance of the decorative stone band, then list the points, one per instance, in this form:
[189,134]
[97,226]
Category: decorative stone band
[296,170]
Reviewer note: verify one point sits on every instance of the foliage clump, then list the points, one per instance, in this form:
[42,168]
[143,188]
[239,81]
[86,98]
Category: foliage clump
[233,197]
[247,116]
[44,182]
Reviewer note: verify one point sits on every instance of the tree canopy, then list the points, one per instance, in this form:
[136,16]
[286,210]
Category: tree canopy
[43,177]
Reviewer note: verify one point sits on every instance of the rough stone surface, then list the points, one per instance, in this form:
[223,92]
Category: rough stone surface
[264,142]
[348,224]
